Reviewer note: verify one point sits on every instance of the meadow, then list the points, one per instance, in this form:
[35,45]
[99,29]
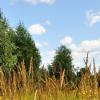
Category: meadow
[20,85]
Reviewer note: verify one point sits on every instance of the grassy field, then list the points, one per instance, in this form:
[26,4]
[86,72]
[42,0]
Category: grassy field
[19,85]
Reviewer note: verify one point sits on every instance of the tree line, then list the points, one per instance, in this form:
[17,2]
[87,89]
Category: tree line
[16,45]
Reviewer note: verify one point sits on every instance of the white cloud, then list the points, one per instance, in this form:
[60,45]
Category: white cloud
[92,17]
[33,2]
[90,45]
[38,44]
[47,57]
[12,2]
[40,1]
[47,1]
[45,43]
[37,29]
[47,22]
[51,54]
[66,41]
[42,44]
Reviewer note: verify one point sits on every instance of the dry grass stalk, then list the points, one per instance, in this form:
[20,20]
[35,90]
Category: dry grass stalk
[23,74]
[31,68]
[35,95]
[10,86]
[31,74]
[62,78]
[18,77]
[61,72]
[2,83]
[14,83]
[95,83]
[85,86]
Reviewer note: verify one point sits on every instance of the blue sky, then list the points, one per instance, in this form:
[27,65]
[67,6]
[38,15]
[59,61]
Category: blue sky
[74,23]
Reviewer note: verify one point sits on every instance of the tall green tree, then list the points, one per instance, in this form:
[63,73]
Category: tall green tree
[63,59]
[26,47]
[7,47]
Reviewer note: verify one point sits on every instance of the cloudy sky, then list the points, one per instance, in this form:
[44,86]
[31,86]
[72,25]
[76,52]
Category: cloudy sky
[74,23]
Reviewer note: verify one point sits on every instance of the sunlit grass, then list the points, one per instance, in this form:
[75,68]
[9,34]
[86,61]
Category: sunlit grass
[27,86]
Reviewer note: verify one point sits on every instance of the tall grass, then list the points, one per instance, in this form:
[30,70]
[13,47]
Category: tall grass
[20,85]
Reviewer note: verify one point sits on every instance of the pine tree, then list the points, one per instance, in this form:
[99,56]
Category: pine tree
[26,47]
[7,57]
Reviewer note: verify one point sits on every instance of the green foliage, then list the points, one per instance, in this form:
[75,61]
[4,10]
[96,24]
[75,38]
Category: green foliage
[26,47]
[63,59]
[79,73]
[7,47]
[50,70]
[16,45]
